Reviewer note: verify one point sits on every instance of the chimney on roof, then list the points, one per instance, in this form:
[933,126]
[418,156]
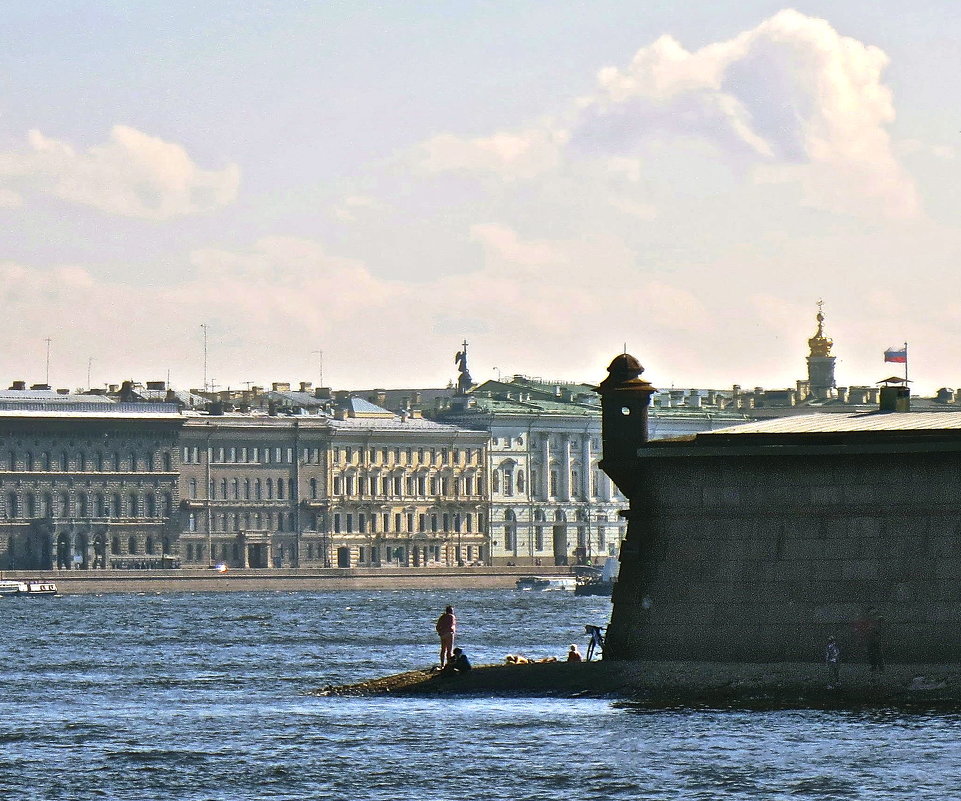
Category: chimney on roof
[113,388]
[19,386]
[281,386]
[63,391]
[159,386]
[39,386]
[306,385]
[322,393]
[895,398]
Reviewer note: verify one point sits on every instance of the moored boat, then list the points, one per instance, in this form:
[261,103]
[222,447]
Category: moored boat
[546,583]
[30,587]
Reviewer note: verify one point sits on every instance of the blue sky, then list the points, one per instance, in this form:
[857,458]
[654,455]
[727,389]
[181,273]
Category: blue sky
[548,180]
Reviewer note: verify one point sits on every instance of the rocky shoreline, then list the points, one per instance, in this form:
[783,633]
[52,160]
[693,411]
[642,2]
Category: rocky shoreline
[685,684]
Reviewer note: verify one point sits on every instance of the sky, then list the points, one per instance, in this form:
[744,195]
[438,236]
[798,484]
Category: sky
[350,190]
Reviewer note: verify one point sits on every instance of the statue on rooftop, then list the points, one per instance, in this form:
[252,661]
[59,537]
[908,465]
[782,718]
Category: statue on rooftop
[464,381]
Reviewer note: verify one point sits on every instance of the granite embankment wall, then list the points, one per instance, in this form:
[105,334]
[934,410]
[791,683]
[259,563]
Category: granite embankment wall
[759,558]
[107,581]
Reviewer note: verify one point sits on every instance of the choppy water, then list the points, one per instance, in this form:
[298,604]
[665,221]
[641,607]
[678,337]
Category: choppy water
[203,697]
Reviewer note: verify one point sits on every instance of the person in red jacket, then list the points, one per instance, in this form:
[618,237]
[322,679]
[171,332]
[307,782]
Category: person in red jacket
[446,629]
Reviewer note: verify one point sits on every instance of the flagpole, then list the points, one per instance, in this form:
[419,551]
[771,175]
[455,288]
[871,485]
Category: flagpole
[905,364]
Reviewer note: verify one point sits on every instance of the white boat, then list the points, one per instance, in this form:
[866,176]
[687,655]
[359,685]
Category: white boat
[546,583]
[29,587]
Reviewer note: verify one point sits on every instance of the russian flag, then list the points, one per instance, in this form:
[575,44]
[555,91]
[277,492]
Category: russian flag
[898,355]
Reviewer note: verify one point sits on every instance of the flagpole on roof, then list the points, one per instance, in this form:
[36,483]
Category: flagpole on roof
[905,364]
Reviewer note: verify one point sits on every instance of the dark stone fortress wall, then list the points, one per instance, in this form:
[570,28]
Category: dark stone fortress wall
[733,554]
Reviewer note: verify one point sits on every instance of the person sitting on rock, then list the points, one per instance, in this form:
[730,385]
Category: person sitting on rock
[573,655]
[458,663]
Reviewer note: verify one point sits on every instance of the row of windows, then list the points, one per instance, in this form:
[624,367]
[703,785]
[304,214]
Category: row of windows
[506,479]
[428,456]
[101,462]
[236,454]
[98,504]
[283,521]
[511,538]
[421,486]
[407,523]
[237,489]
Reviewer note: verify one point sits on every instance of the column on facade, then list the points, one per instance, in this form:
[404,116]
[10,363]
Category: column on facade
[545,489]
[566,468]
[587,473]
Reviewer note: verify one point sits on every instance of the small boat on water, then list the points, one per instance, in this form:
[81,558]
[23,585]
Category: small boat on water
[546,583]
[593,580]
[30,587]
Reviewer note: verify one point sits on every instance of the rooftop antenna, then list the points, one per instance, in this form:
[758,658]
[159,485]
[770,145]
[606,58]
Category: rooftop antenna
[320,356]
[204,327]
[47,381]
[625,347]
[89,364]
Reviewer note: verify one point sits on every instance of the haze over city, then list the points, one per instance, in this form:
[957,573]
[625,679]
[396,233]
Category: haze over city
[551,182]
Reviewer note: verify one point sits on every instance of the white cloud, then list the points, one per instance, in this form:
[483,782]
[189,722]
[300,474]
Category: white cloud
[132,174]
[523,154]
[790,101]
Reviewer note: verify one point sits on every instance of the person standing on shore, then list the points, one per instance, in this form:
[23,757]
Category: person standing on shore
[446,629]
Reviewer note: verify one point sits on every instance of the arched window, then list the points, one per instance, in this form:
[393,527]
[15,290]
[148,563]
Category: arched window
[13,461]
[520,480]
[29,462]
[148,546]
[116,461]
[99,506]
[99,462]
[223,488]
[81,462]
[496,481]
[12,505]
[45,461]
[270,488]
[280,489]
[115,545]
[168,504]
[313,488]
[192,488]
[84,505]
[236,488]
[117,506]
[167,462]
[133,462]
[247,489]
[64,461]
[258,490]
[151,505]
[64,505]
[46,505]
[151,461]
[132,505]
[132,546]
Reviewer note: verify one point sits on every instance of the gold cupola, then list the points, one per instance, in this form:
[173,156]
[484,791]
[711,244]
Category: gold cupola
[819,344]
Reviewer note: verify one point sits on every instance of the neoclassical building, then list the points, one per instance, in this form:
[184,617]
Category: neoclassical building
[87,483]
[358,486]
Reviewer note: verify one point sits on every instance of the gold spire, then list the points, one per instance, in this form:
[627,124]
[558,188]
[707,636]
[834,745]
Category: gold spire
[820,345]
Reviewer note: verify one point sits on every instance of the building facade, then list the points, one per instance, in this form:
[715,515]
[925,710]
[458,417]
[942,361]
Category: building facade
[86,483]
[360,487]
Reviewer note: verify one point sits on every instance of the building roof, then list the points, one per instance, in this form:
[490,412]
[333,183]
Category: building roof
[91,411]
[51,398]
[845,423]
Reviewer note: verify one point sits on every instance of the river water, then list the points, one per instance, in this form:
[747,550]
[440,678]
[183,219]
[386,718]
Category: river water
[203,696]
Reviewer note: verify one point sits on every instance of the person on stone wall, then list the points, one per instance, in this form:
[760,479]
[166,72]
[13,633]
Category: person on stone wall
[446,627]
[573,655]
[832,658]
